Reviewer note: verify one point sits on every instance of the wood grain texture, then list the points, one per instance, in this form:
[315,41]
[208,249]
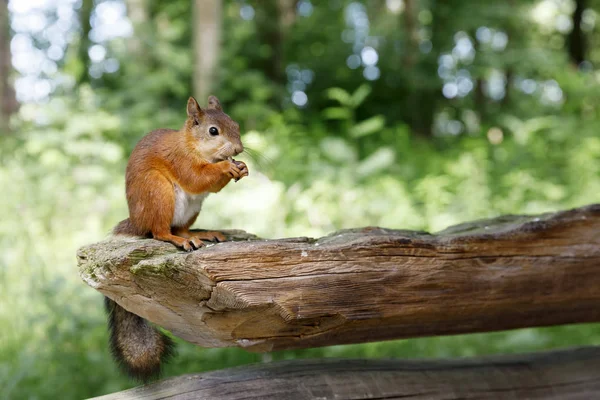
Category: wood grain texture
[360,285]
[560,375]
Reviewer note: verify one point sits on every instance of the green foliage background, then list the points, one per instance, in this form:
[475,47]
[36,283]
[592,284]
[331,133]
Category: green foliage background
[358,154]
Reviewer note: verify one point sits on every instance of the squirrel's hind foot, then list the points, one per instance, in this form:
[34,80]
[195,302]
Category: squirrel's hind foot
[187,244]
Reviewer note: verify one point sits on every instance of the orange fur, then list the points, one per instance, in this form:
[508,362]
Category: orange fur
[191,159]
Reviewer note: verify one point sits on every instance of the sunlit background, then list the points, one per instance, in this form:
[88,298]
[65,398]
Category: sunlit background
[409,114]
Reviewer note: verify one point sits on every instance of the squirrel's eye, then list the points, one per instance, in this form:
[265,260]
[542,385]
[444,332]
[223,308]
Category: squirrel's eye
[213,131]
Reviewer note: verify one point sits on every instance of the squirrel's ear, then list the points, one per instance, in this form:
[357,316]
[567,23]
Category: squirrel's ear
[213,103]
[193,109]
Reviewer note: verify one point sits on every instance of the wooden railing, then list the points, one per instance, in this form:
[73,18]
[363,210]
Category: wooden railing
[360,285]
[559,375]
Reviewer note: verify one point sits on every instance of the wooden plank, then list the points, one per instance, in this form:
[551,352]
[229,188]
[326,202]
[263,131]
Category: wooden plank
[565,375]
[360,285]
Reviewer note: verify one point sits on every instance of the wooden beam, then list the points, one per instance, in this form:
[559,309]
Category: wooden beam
[560,375]
[360,285]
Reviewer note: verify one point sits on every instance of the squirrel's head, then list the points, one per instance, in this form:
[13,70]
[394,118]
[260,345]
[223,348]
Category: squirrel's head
[215,135]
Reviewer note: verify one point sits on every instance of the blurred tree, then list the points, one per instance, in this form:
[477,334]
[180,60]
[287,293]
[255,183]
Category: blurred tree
[416,87]
[207,25]
[137,12]
[8,101]
[274,19]
[577,43]
[85,15]
[410,33]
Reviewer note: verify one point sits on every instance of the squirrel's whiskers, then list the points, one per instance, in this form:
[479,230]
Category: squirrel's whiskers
[262,162]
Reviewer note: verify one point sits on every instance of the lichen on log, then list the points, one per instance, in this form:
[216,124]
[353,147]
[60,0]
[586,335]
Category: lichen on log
[359,285]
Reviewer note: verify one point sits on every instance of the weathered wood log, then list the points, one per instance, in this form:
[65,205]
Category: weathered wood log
[360,285]
[559,375]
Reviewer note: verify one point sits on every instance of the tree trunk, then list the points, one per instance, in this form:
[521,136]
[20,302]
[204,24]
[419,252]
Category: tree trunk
[85,14]
[410,33]
[577,40]
[138,15]
[269,33]
[283,12]
[8,101]
[426,94]
[207,22]
[287,14]
[515,41]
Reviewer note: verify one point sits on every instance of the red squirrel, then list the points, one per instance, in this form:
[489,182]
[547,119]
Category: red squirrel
[169,174]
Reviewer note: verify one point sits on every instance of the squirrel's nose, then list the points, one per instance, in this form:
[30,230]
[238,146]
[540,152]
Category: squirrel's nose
[238,149]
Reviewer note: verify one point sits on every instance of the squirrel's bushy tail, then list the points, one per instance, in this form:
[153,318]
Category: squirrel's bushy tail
[125,227]
[136,345]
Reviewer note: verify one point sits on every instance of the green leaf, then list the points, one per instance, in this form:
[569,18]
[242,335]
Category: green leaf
[338,149]
[360,95]
[368,126]
[337,113]
[523,130]
[340,95]
[380,160]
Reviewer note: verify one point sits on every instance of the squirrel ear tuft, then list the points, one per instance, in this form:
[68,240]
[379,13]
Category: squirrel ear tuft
[193,109]
[213,103]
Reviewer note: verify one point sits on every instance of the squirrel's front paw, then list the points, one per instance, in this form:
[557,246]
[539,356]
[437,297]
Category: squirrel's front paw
[243,169]
[236,169]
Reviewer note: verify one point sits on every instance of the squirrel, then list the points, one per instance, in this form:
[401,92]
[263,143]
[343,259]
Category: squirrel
[169,174]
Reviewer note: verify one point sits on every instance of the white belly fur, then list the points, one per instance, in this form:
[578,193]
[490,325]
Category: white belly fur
[186,205]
